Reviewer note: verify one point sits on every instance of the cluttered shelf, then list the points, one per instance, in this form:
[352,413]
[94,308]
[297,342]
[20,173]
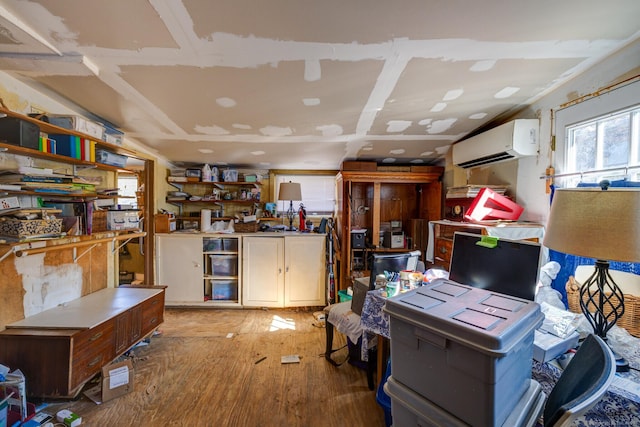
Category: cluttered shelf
[179,181]
[22,151]
[45,193]
[212,201]
[57,130]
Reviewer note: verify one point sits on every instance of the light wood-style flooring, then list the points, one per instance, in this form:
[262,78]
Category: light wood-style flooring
[196,374]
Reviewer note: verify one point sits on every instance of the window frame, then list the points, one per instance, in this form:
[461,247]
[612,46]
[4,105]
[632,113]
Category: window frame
[607,104]
[277,176]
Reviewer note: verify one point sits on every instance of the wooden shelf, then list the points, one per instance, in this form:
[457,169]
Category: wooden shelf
[38,246]
[219,184]
[23,151]
[216,201]
[61,194]
[52,129]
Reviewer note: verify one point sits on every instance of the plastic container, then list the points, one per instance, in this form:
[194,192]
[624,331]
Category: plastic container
[411,409]
[230,244]
[467,350]
[230,175]
[224,290]
[383,398]
[224,265]
[206,173]
[343,296]
[211,245]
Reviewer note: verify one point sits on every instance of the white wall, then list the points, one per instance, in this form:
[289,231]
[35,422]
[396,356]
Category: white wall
[530,188]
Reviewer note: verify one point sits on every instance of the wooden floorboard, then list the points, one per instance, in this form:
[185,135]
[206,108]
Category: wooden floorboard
[193,374]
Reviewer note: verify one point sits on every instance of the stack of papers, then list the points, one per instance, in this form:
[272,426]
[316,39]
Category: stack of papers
[467,191]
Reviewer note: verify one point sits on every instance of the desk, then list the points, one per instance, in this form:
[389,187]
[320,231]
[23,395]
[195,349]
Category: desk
[619,407]
[440,241]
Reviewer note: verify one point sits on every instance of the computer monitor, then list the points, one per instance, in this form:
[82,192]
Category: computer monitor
[511,267]
[381,262]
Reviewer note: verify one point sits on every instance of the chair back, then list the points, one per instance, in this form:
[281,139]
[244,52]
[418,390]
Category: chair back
[582,384]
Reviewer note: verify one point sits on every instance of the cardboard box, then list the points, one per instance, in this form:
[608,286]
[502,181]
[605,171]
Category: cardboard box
[117,380]
[164,223]
[359,166]
[77,123]
[122,220]
[547,346]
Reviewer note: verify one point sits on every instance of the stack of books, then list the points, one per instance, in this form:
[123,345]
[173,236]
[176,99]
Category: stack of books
[470,191]
[43,181]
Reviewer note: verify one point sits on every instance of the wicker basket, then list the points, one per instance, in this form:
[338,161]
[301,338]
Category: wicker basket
[630,320]
[246,227]
[99,221]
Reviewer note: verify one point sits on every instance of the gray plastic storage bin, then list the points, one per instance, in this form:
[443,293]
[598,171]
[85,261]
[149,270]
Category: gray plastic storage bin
[408,408]
[467,350]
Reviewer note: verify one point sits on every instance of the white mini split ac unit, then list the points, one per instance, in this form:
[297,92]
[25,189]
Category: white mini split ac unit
[512,140]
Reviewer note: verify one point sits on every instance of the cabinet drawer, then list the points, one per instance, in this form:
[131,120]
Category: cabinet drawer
[92,348]
[90,342]
[152,313]
[443,251]
[85,368]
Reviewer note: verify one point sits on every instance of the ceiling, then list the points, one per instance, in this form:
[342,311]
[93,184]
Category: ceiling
[305,84]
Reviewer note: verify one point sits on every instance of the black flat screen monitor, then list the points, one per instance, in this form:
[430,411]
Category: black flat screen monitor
[392,262]
[511,267]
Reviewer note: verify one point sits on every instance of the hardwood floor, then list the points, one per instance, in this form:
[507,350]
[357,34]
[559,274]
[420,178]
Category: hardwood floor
[195,374]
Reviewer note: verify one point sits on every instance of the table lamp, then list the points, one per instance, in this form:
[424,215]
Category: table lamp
[290,191]
[604,224]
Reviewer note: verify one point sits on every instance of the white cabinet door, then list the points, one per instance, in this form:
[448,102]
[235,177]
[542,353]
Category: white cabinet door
[262,271]
[179,267]
[304,271]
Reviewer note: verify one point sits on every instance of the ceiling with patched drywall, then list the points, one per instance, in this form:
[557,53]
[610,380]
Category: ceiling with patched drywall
[305,84]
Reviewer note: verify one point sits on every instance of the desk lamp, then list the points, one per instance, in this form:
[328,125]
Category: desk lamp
[604,224]
[290,191]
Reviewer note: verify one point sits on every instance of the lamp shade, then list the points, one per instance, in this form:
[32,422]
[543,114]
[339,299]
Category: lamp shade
[289,191]
[595,223]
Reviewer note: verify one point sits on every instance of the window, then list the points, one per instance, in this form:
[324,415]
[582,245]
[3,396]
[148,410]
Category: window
[127,187]
[318,193]
[604,148]
[599,137]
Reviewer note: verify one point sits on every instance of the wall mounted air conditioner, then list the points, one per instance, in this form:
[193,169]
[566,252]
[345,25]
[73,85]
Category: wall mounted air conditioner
[512,140]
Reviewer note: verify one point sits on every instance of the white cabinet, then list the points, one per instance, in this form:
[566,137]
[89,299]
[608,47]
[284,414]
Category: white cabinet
[263,271]
[179,267]
[305,267]
[283,271]
[198,269]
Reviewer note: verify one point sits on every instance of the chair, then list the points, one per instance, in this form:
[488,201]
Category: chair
[582,384]
[347,322]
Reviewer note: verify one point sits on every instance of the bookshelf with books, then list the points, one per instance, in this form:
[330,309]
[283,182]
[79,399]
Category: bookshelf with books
[66,168]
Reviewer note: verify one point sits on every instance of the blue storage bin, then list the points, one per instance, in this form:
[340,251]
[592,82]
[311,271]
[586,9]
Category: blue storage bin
[383,398]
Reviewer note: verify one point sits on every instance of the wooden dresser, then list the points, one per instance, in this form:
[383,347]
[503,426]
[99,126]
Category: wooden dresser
[62,348]
[441,236]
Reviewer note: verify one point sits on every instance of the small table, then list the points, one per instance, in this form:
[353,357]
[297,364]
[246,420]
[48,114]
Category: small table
[619,407]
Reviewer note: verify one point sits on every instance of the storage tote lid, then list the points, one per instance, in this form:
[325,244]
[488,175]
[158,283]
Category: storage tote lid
[487,321]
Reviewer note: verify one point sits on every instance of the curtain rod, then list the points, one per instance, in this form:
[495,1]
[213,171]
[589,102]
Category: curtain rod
[626,170]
